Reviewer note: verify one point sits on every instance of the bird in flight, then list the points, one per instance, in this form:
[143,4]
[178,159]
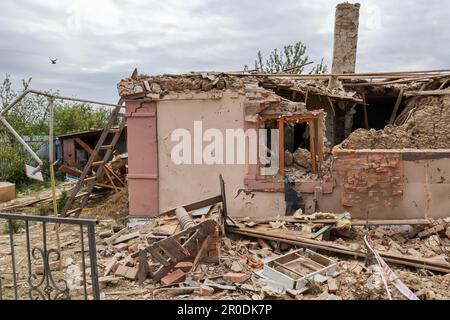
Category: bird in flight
[53,61]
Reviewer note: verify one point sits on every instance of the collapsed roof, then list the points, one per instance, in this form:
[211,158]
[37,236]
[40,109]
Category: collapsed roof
[387,110]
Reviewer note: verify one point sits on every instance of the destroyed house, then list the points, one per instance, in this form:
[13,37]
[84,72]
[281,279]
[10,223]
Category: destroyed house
[396,171]
[376,145]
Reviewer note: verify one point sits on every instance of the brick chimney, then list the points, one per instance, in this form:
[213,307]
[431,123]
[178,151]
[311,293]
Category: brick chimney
[345,37]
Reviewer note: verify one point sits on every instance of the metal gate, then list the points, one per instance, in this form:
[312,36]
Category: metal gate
[38,274]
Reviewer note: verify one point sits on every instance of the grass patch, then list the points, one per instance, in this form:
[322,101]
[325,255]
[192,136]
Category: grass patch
[42,210]
[16,225]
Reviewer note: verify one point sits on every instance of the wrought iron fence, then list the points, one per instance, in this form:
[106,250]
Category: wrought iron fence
[30,280]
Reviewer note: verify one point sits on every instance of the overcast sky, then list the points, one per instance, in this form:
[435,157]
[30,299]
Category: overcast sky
[98,42]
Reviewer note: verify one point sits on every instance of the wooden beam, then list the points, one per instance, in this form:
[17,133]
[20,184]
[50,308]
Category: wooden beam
[427,93]
[312,146]
[86,147]
[195,205]
[281,146]
[320,138]
[200,253]
[366,116]
[397,104]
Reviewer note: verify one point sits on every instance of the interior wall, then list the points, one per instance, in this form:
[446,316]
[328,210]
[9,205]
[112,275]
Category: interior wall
[186,183]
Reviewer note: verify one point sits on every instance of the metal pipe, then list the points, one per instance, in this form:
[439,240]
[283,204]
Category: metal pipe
[73,99]
[49,95]
[93,261]
[14,102]
[48,219]
[184,218]
[18,137]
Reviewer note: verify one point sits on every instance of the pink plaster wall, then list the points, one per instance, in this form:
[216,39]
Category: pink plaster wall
[142,158]
[181,184]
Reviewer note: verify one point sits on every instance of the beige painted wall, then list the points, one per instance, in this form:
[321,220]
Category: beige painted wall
[182,184]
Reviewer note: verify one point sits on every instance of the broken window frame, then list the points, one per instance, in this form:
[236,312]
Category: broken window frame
[314,122]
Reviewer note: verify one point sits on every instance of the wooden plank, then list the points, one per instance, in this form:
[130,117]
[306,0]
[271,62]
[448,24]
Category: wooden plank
[126,237]
[312,146]
[157,256]
[281,146]
[427,93]
[66,169]
[397,104]
[200,253]
[287,268]
[322,230]
[111,181]
[108,168]
[195,205]
[366,116]
[361,222]
[86,148]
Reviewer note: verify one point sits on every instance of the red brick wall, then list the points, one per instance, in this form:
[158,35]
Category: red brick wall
[368,179]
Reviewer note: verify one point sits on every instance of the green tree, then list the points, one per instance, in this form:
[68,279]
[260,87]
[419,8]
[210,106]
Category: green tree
[30,118]
[79,117]
[290,59]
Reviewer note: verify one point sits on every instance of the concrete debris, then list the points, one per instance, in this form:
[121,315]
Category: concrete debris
[236,277]
[302,157]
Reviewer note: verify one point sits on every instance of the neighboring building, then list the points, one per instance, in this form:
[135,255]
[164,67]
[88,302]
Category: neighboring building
[70,151]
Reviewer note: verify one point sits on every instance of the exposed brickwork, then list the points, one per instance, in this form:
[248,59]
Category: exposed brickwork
[345,38]
[368,178]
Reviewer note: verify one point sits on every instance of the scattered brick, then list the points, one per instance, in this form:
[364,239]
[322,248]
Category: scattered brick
[133,248]
[185,266]
[431,231]
[104,281]
[120,247]
[54,265]
[332,285]
[111,266]
[253,245]
[264,244]
[127,272]
[206,291]
[236,277]
[129,261]
[176,276]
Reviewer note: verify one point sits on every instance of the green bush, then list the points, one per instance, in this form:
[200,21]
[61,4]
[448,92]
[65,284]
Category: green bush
[17,225]
[62,201]
[42,210]
[12,165]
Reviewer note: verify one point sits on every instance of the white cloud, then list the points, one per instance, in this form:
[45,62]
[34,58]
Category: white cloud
[97,42]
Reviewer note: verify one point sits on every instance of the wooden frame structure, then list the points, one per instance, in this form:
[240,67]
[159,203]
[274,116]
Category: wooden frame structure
[314,122]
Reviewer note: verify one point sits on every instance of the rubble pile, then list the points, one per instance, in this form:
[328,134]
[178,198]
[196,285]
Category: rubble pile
[161,85]
[244,265]
[426,126]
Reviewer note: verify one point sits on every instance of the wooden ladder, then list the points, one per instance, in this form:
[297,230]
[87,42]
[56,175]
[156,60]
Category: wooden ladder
[94,169]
